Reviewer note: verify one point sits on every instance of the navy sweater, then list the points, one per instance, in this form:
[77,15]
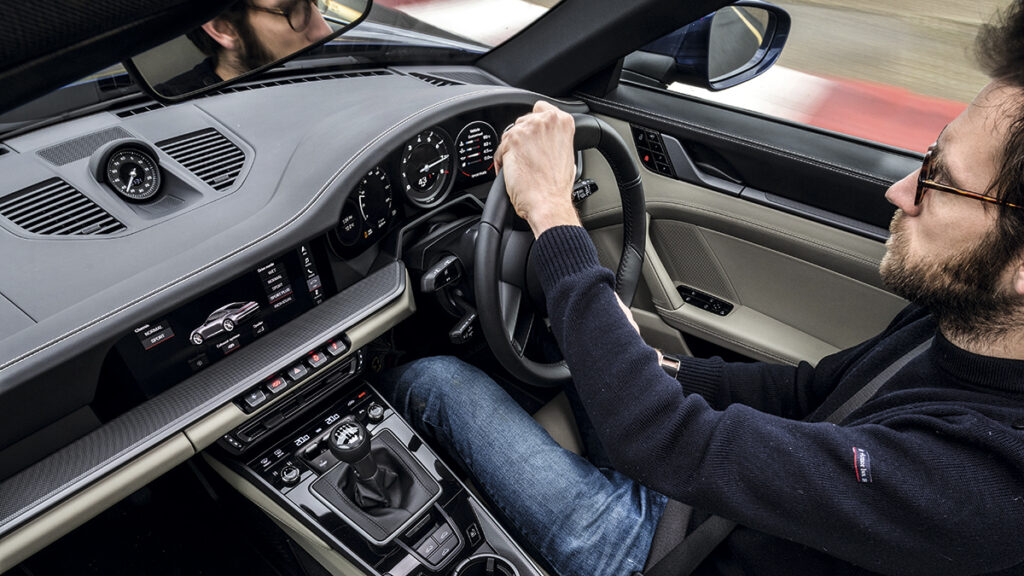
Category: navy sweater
[925,478]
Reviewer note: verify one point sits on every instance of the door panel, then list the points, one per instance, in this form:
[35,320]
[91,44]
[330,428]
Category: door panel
[801,289]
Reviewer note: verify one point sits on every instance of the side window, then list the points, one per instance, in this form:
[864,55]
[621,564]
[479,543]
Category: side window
[889,71]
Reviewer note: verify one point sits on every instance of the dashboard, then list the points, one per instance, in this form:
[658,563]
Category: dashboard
[203,283]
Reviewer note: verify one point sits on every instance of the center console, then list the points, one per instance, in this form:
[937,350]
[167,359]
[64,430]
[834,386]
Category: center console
[333,455]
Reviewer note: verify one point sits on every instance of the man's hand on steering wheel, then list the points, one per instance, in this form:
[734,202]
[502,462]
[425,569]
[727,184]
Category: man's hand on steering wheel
[537,156]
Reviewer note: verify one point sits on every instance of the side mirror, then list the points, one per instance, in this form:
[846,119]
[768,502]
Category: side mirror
[242,41]
[722,49]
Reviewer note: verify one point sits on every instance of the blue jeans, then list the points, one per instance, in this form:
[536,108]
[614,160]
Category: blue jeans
[583,519]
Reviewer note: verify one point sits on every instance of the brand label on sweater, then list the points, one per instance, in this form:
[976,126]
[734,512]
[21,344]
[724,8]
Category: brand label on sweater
[862,465]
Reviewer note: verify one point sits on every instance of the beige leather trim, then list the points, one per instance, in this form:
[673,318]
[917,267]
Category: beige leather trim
[51,525]
[209,429]
[332,561]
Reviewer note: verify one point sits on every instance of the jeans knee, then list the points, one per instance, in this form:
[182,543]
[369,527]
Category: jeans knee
[436,379]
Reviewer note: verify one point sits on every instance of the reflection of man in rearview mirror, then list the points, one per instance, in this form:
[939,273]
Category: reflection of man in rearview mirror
[247,35]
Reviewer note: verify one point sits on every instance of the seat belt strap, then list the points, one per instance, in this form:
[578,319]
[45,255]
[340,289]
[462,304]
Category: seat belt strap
[688,554]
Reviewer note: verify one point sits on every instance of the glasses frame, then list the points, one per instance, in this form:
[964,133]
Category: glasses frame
[288,13]
[924,183]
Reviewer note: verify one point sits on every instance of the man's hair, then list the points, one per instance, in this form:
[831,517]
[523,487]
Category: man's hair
[235,14]
[999,49]
[252,55]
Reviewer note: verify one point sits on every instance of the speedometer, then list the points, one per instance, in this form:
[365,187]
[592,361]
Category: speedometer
[476,144]
[427,167]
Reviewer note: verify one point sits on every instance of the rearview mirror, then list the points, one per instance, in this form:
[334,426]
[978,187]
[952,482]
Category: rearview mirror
[245,39]
[722,49]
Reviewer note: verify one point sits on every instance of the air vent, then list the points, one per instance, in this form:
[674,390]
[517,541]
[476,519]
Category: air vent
[303,80]
[54,208]
[209,155]
[434,80]
[140,109]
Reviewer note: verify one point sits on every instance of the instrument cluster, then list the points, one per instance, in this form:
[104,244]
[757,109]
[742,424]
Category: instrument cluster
[421,175]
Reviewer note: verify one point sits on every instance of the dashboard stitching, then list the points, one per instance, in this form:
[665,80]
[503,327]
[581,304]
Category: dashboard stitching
[316,198]
[689,125]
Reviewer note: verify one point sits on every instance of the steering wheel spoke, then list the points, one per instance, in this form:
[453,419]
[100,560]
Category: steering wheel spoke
[514,255]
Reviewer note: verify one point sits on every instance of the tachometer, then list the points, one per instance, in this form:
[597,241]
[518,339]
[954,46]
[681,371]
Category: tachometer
[373,197]
[476,145]
[426,167]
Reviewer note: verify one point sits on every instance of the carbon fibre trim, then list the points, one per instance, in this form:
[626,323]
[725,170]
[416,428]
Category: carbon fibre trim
[75,466]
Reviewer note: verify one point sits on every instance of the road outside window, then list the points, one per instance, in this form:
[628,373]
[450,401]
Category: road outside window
[890,71]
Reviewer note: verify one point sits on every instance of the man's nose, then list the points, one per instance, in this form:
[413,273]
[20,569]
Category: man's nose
[901,194]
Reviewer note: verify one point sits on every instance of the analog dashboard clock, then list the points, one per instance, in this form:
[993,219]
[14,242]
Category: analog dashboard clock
[129,168]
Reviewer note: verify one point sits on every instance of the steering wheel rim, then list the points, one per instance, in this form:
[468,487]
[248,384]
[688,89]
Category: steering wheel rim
[502,281]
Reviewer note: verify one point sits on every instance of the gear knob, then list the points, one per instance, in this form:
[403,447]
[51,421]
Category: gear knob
[350,443]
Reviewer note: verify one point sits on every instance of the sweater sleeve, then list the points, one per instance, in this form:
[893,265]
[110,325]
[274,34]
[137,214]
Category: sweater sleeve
[792,479]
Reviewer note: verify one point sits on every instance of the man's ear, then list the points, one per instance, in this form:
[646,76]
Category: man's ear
[222,33]
[1018,276]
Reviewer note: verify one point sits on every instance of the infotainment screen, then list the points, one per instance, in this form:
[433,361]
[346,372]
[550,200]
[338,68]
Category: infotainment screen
[169,349]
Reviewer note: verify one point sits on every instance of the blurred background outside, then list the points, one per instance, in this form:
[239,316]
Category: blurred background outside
[890,71]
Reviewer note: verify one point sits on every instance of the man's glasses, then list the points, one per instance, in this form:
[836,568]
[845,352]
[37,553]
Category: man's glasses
[925,182]
[297,13]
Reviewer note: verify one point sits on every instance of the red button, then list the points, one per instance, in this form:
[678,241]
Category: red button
[277,384]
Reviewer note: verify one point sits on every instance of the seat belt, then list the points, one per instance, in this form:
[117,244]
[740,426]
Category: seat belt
[688,554]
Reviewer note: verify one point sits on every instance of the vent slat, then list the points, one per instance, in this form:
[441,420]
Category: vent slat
[68,218]
[27,205]
[55,208]
[51,212]
[208,154]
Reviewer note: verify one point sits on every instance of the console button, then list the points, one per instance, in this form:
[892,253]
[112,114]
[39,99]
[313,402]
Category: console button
[428,547]
[443,533]
[474,534]
[337,348]
[297,372]
[443,550]
[255,398]
[317,359]
[277,385]
[323,462]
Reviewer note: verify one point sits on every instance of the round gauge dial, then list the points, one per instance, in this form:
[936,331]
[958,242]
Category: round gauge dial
[476,145]
[426,167]
[350,225]
[373,198]
[133,173]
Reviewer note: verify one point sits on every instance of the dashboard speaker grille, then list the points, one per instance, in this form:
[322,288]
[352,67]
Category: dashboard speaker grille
[81,147]
[209,155]
[55,208]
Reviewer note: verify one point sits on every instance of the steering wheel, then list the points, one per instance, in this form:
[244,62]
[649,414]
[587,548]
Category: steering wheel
[509,298]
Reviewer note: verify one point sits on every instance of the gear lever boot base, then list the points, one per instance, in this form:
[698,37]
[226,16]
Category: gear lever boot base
[411,491]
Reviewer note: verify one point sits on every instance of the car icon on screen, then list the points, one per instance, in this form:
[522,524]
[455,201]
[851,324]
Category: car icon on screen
[223,319]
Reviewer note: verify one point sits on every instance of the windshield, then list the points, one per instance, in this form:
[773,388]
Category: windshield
[395,32]
[484,22]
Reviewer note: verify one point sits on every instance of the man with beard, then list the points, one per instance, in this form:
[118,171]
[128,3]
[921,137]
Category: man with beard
[924,475]
[247,35]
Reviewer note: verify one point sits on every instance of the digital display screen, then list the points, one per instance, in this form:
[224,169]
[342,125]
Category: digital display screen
[167,350]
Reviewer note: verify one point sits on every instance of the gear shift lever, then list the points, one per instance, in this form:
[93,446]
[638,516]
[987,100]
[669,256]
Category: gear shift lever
[350,443]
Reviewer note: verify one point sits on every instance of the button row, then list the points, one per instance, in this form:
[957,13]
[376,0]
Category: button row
[258,396]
